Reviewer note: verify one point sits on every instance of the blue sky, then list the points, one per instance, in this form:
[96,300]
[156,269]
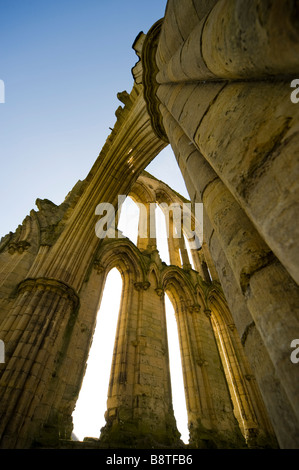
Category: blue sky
[63,63]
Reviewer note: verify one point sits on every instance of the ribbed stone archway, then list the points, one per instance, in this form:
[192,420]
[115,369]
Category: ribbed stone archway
[213,81]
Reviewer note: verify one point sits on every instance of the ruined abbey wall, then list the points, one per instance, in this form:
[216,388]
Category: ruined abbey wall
[223,76]
[213,81]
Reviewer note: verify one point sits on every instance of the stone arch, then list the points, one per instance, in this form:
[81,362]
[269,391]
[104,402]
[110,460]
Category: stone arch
[141,192]
[178,285]
[149,191]
[172,209]
[153,271]
[139,390]
[88,415]
[123,255]
[203,391]
[249,408]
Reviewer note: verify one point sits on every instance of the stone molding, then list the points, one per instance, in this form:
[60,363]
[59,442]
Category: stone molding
[18,247]
[54,285]
[150,85]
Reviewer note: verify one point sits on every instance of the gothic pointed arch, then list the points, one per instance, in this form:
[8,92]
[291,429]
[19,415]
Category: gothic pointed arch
[248,405]
[177,283]
[155,274]
[141,192]
[123,255]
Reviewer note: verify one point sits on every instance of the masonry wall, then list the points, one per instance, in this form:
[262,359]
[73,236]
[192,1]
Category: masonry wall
[221,84]
[213,80]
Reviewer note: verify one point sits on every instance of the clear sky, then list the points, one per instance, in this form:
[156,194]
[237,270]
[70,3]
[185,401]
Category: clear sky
[62,63]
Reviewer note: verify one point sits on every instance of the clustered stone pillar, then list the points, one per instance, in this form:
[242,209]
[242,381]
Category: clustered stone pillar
[247,253]
[33,334]
[222,78]
[147,227]
[211,420]
[242,383]
[139,405]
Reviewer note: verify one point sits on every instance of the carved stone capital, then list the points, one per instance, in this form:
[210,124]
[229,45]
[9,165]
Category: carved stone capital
[18,247]
[146,285]
[159,291]
[208,312]
[98,267]
[194,308]
[59,287]
[142,285]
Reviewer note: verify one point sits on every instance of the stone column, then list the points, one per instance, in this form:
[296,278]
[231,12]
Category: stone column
[139,406]
[147,228]
[242,405]
[210,263]
[255,268]
[247,130]
[173,243]
[183,250]
[252,349]
[43,309]
[211,420]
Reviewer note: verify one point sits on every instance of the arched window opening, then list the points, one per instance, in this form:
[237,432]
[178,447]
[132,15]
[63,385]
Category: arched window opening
[176,372]
[128,220]
[161,234]
[88,416]
[228,365]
